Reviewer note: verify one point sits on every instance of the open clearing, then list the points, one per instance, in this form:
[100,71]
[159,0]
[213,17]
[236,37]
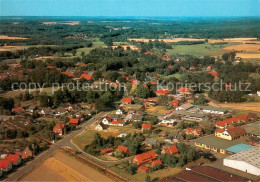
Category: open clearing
[63,23]
[167,40]
[12,48]
[244,47]
[12,38]
[62,167]
[248,55]
[247,106]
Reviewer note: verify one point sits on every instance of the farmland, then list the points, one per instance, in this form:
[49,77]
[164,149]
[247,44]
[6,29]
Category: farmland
[62,167]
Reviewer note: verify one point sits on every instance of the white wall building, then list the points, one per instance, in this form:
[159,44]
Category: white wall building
[247,161]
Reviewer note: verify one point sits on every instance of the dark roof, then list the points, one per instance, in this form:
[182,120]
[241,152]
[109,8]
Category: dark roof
[191,176]
[217,174]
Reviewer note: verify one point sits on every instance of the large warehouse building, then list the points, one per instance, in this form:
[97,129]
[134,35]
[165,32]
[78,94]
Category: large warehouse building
[247,161]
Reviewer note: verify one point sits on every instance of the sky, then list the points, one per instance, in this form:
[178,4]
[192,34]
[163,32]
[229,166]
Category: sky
[130,8]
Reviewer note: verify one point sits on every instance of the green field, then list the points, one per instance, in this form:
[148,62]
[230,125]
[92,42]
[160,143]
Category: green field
[199,49]
[96,44]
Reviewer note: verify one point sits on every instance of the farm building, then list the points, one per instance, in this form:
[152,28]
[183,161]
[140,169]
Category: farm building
[230,133]
[238,148]
[212,110]
[252,128]
[215,144]
[247,161]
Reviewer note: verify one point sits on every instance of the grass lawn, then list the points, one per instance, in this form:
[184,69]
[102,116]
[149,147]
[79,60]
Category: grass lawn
[157,110]
[176,75]
[200,49]
[96,44]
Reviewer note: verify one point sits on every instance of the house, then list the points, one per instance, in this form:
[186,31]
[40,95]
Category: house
[119,122]
[227,122]
[242,118]
[59,128]
[126,100]
[144,169]
[209,68]
[120,111]
[136,117]
[146,126]
[185,107]
[156,162]
[74,121]
[168,121]
[192,68]
[184,91]
[60,111]
[230,133]
[106,151]
[100,127]
[32,108]
[17,109]
[150,142]
[46,111]
[163,92]
[195,132]
[175,103]
[123,149]
[144,157]
[86,76]
[69,74]
[5,165]
[170,150]
[25,154]
[150,102]
[175,137]
[106,120]
[14,159]
[215,74]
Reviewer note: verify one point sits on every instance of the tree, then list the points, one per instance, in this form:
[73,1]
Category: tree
[73,52]
[201,100]
[142,92]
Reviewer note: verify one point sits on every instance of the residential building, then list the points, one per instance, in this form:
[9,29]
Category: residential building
[144,157]
[123,149]
[126,100]
[170,150]
[146,126]
[150,142]
[106,151]
[74,121]
[59,128]
[14,159]
[230,133]
[144,169]
[162,92]
[213,110]
[5,165]
[100,127]
[25,154]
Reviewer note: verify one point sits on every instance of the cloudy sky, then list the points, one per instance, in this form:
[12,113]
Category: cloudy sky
[129,7]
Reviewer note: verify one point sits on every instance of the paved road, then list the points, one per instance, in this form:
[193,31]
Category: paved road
[44,155]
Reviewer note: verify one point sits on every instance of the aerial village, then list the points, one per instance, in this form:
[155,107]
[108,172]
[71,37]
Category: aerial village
[147,135]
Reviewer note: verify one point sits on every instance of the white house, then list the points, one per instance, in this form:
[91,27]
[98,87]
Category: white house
[258,93]
[106,120]
[119,111]
[100,127]
[184,107]
[211,110]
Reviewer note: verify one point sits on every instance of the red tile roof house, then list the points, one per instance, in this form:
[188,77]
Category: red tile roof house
[126,100]
[119,122]
[230,133]
[175,103]
[215,74]
[106,151]
[195,132]
[87,76]
[17,109]
[144,169]
[144,158]
[170,150]
[69,74]
[14,159]
[226,122]
[25,154]
[74,121]
[59,128]
[156,162]
[184,91]
[123,149]
[162,92]
[146,126]
[5,165]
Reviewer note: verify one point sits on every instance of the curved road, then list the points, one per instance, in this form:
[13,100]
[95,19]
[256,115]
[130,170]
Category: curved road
[66,141]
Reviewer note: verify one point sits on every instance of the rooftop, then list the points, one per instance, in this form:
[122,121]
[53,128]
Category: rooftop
[253,128]
[239,148]
[220,143]
[251,156]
